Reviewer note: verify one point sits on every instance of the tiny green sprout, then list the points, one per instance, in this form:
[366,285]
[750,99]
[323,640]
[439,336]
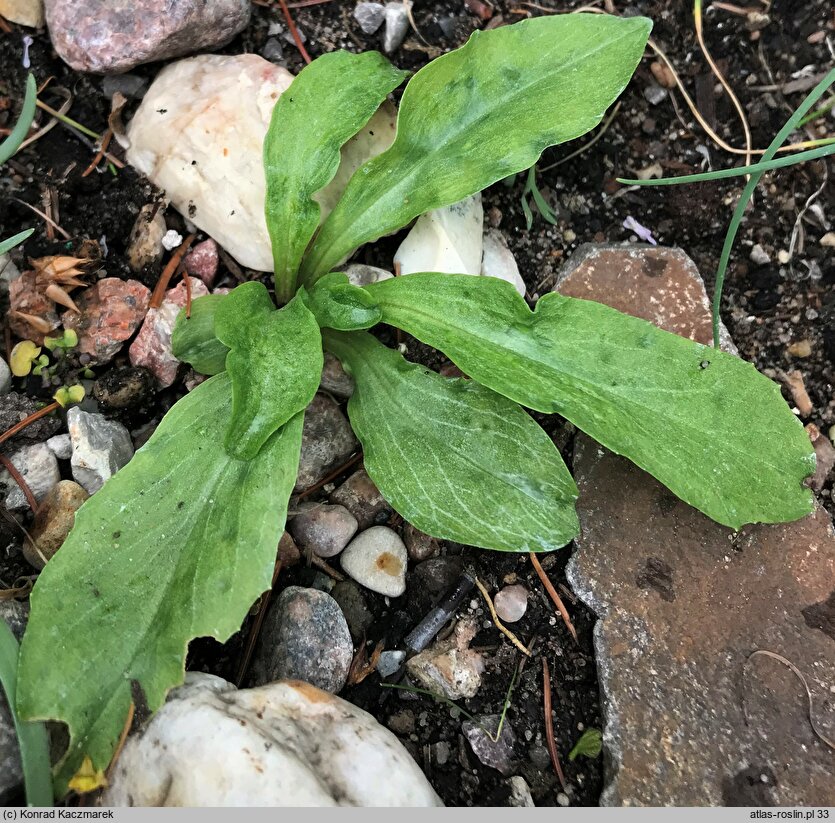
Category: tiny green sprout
[88,374]
[68,340]
[39,365]
[24,354]
[67,395]
[589,745]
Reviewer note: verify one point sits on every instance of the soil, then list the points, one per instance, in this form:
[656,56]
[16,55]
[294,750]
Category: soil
[767,307]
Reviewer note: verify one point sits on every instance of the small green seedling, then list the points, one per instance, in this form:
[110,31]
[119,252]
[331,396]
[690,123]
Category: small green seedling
[68,340]
[182,540]
[25,355]
[68,395]
[589,745]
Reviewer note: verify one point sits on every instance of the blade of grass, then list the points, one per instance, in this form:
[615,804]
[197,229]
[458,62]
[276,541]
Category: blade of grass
[721,174]
[32,738]
[751,185]
[27,113]
[14,240]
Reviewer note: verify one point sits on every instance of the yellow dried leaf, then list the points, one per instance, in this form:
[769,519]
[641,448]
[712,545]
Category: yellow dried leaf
[87,778]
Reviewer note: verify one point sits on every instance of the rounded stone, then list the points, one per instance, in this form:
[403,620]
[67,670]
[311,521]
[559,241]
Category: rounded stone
[376,559]
[322,528]
[304,637]
[54,520]
[511,603]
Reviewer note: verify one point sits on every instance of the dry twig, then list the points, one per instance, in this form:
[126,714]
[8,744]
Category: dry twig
[549,723]
[168,272]
[294,31]
[552,592]
[18,478]
[499,625]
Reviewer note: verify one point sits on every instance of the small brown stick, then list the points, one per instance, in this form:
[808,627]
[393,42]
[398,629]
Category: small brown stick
[31,419]
[320,564]
[122,739]
[168,272]
[18,478]
[499,625]
[5,26]
[294,31]
[305,3]
[780,659]
[103,144]
[549,723]
[335,473]
[552,592]
[256,626]
[46,217]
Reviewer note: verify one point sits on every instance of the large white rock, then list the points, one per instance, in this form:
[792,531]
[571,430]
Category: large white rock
[100,447]
[199,132]
[447,240]
[284,744]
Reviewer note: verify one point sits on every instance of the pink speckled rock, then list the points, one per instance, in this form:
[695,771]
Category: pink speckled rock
[112,36]
[111,311]
[152,347]
[202,261]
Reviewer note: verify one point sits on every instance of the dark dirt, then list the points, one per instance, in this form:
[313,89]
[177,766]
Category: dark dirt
[767,307]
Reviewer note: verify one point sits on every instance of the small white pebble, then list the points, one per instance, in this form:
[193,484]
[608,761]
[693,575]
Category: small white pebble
[562,799]
[783,256]
[171,239]
[511,603]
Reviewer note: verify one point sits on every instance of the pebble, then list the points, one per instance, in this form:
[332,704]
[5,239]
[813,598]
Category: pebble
[152,346]
[402,722]
[5,377]
[442,751]
[100,447]
[39,468]
[419,546]
[759,256]
[520,793]
[361,275]
[370,16]
[563,799]
[783,257]
[449,666]
[497,755]
[113,36]
[802,348]
[171,240]
[285,744]
[61,446]
[828,240]
[304,637]
[53,521]
[327,442]
[498,260]
[335,380]
[351,600]
[124,388]
[145,244]
[23,12]
[199,133]
[824,454]
[389,662]
[288,551]
[362,498]
[449,239]
[397,25]
[511,603]
[322,529]
[111,311]
[273,50]
[654,94]
[202,261]
[376,559]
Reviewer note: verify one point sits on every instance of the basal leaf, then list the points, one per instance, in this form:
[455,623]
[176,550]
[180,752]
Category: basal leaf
[326,105]
[177,545]
[32,739]
[457,460]
[336,304]
[21,128]
[706,424]
[479,114]
[194,340]
[14,240]
[275,363]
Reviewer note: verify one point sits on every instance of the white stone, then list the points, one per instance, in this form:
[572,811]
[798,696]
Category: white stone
[520,793]
[376,559]
[450,667]
[447,240]
[60,446]
[389,662]
[23,12]
[397,24]
[828,239]
[370,16]
[100,447]
[171,239]
[38,467]
[5,377]
[498,260]
[285,744]
[199,132]
[511,603]
[759,256]
[361,275]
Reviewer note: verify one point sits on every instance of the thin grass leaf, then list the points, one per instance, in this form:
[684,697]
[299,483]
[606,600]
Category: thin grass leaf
[14,240]
[541,204]
[721,174]
[27,114]
[31,737]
